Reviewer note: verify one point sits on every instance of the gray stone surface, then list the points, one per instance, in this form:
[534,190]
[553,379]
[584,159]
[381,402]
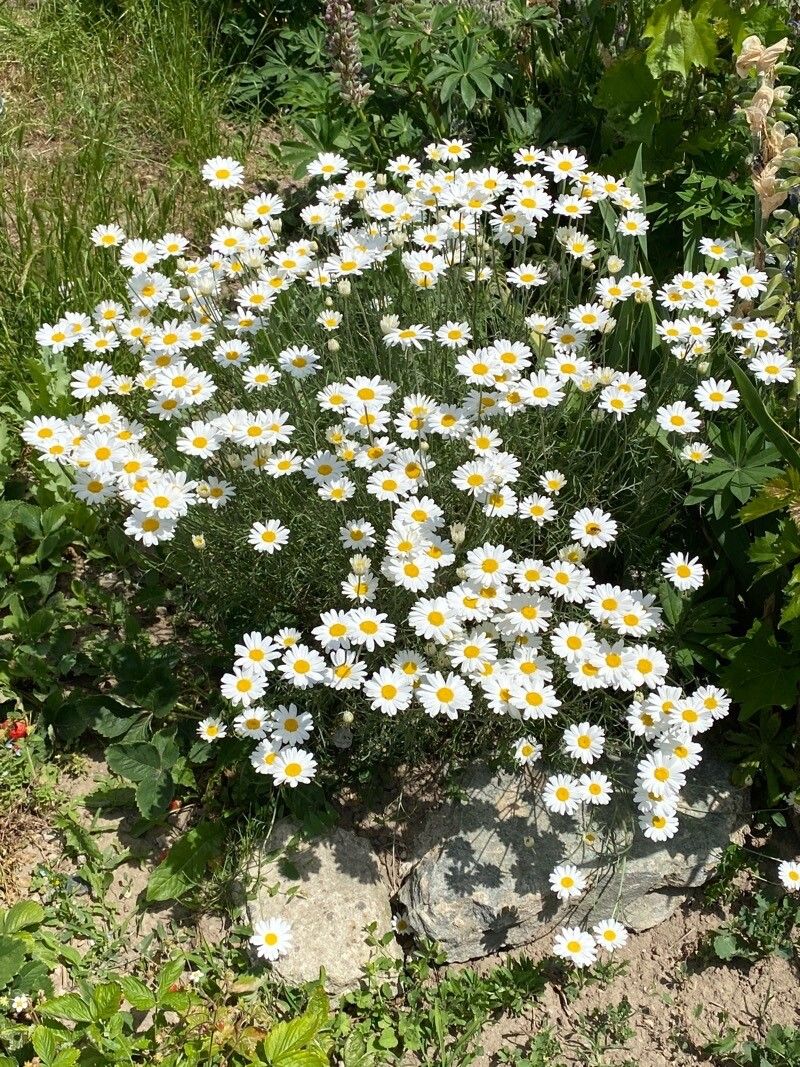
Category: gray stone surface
[481,881]
[334,889]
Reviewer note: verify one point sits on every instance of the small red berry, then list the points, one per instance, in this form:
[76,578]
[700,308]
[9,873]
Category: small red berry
[17,730]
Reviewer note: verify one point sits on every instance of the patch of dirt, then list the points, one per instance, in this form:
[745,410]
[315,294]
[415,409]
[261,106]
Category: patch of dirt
[678,1004]
[123,910]
[26,841]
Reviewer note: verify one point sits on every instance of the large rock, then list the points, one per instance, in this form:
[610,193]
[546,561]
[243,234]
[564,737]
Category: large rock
[334,891]
[481,881]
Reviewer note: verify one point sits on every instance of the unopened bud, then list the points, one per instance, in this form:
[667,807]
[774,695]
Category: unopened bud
[360,564]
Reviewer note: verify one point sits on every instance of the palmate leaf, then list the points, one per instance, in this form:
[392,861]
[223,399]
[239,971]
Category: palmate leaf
[762,673]
[679,39]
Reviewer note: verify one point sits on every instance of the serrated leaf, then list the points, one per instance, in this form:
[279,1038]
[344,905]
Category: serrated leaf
[45,1043]
[170,973]
[21,916]
[33,978]
[68,1058]
[69,1006]
[760,506]
[135,761]
[12,957]
[153,795]
[679,39]
[106,999]
[136,993]
[762,673]
[186,862]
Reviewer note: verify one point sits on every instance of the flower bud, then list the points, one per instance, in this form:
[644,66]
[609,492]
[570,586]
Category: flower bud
[458,531]
[344,287]
[360,564]
[333,345]
[198,541]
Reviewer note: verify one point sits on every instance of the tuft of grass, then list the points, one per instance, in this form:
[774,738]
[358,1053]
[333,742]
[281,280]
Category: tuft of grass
[107,114]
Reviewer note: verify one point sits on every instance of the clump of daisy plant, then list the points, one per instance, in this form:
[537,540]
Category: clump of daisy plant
[411,413]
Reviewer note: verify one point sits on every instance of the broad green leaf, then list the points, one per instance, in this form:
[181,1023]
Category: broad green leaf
[69,1006]
[762,673]
[626,84]
[154,794]
[136,993]
[12,957]
[760,506]
[679,39]
[68,1058]
[726,946]
[303,1058]
[33,978]
[21,916]
[136,761]
[186,862]
[45,1043]
[106,1000]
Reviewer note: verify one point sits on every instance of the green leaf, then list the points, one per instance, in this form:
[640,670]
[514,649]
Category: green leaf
[287,1043]
[109,796]
[468,94]
[33,978]
[775,433]
[762,673]
[186,863]
[106,1000]
[69,1006]
[136,993]
[760,506]
[45,1043]
[21,916]
[303,1058]
[12,957]
[169,975]
[135,761]
[626,84]
[726,946]
[68,1058]
[679,39]
[153,795]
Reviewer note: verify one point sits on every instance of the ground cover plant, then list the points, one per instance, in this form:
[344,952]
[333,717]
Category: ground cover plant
[535,351]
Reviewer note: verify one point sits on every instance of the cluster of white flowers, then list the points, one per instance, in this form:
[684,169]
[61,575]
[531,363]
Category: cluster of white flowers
[481,626]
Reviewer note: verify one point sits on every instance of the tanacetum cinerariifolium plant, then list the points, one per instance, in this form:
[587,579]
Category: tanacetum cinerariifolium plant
[429,403]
